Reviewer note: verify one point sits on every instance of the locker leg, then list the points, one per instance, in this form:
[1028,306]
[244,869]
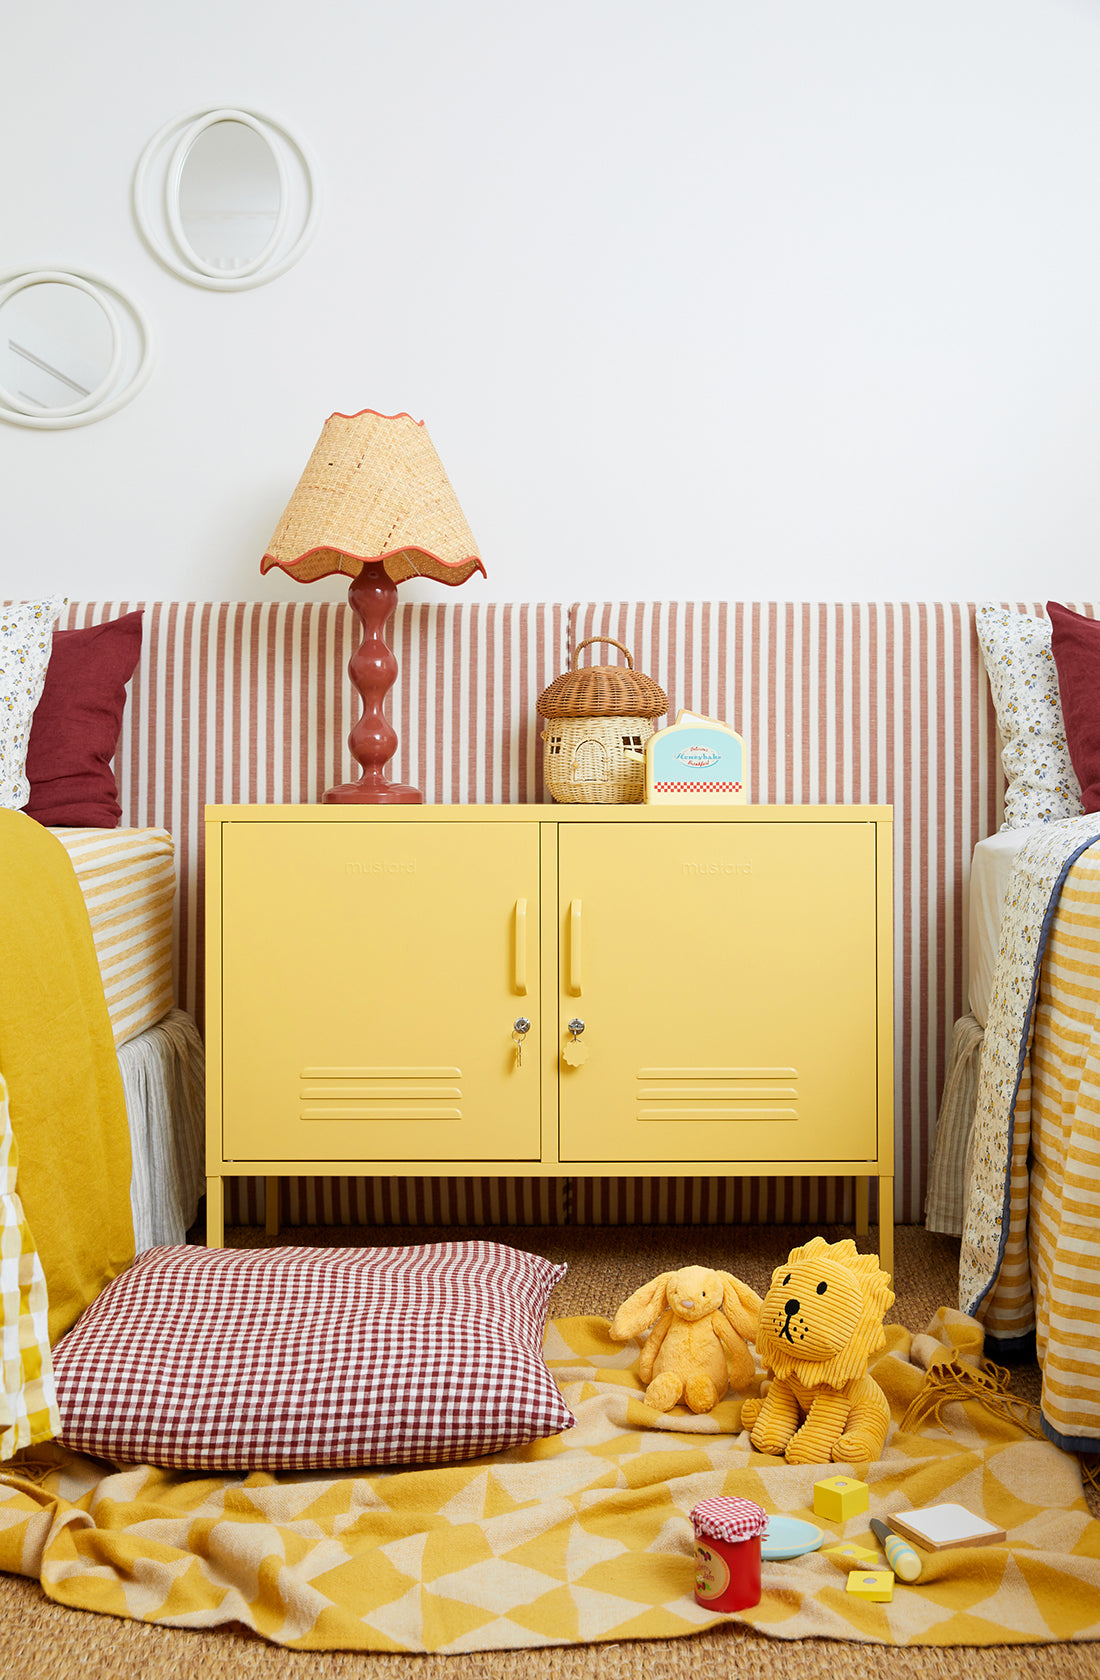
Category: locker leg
[863,1201]
[215,1213]
[886,1225]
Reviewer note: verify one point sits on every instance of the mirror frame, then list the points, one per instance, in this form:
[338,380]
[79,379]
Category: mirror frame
[156,195]
[116,388]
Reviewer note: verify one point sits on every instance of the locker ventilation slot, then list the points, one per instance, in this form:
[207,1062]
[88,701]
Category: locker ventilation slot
[738,1093]
[380,1093]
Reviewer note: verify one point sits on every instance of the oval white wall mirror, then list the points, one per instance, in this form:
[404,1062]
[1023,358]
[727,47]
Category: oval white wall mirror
[226,198]
[73,348]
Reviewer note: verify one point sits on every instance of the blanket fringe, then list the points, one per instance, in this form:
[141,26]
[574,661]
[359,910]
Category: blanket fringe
[950,1382]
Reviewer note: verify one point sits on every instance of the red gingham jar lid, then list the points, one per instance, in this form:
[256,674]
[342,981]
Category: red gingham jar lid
[729,1519]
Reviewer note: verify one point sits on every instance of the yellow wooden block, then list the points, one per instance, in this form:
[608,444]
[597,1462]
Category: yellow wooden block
[840,1497]
[875,1584]
[849,1556]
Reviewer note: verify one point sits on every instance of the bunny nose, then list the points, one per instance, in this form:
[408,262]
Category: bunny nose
[687,1305]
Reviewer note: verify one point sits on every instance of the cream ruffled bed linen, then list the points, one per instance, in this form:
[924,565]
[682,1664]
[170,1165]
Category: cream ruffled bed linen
[164,1084]
[584,1537]
[28,1399]
[1030,1256]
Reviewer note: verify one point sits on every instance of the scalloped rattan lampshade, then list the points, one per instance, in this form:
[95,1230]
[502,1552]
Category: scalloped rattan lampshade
[374,489]
[375,504]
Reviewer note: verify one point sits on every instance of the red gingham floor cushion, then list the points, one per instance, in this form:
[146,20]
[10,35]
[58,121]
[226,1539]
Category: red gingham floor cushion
[305,1358]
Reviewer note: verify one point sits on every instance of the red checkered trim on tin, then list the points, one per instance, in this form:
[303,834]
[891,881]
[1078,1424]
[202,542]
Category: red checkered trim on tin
[302,1358]
[729,1519]
[697,787]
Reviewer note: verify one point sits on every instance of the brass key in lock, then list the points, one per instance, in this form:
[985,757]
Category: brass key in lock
[520,1028]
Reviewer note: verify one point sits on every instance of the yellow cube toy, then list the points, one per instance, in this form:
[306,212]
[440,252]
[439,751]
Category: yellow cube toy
[874,1584]
[849,1556]
[839,1497]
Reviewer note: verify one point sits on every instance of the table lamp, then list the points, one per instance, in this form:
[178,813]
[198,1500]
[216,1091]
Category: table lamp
[374,503]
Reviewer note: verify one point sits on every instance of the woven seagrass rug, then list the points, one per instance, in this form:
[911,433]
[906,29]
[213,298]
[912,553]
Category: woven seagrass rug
[581,1538]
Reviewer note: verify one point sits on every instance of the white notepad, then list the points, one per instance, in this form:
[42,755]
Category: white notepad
[938,1526]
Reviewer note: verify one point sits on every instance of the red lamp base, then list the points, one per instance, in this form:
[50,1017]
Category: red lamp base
[372,669]
[360,793]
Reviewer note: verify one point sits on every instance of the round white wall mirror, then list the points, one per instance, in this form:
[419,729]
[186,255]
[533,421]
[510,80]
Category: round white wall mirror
[226,198]
[73,348]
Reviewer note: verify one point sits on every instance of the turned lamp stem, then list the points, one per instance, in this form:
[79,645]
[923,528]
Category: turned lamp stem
[373,503]
[372,669]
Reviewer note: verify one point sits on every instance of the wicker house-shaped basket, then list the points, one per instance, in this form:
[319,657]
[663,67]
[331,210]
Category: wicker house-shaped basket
[598,720]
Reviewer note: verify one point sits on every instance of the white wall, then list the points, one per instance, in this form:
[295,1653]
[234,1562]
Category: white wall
[770,299]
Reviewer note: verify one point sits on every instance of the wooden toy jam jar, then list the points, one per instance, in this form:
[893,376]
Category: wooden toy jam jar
[727,1552]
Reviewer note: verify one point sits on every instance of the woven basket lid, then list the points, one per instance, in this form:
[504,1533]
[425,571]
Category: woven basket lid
[602,690]
[374,489]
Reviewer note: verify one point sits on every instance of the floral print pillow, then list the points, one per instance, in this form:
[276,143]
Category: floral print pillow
[1023,680]
[26,642]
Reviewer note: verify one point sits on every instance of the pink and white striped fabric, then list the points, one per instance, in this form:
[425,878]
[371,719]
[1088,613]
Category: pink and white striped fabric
[875,702]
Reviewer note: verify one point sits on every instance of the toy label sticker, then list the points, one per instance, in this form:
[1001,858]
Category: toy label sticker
[697,757]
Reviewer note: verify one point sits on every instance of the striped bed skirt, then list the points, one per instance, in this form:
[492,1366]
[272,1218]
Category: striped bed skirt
[544,1201]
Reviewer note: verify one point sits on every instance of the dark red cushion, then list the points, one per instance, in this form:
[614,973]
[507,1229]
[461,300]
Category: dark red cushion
[312,1358]
[1075,643]
[76,725]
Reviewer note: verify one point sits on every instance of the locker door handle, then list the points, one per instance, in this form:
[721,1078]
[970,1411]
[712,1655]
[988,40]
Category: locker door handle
[575,946]
[520,951]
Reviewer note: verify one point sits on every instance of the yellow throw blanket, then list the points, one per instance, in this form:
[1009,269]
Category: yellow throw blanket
[58,1060]
[584,1537]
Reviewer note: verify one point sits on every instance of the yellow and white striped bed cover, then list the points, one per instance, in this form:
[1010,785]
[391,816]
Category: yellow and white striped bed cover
[127,876]
[1047,1276]
[1064,1197]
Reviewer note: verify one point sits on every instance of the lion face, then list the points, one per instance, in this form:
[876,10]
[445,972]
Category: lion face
[813,1308]
[822,1316]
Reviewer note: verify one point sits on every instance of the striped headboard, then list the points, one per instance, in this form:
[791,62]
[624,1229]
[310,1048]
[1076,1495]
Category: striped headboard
[872,703]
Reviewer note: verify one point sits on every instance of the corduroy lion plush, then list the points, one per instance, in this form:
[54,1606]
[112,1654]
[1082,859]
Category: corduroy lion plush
[820,1322]
[699,1323]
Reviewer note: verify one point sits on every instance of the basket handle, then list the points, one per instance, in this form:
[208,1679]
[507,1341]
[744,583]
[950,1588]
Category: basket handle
[614,643]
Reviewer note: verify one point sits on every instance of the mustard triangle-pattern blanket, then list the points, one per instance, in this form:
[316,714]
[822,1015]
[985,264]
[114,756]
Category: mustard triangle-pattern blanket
[584,1537]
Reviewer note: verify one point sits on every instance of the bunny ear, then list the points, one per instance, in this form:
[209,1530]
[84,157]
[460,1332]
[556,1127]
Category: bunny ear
[642,1309]
[741,1305]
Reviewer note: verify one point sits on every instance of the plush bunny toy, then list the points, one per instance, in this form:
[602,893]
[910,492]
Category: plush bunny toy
[699,1322]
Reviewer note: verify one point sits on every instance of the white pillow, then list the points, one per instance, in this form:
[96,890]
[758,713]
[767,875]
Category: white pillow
[26,647]
[1023,679]
[26,642]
